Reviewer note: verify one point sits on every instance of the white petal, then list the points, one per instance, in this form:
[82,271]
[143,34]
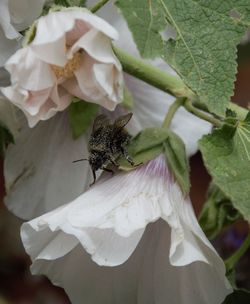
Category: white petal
[29,71]
[147,277]
[52,48]
[39,173]
[7,47]
[5,21]
[24,12]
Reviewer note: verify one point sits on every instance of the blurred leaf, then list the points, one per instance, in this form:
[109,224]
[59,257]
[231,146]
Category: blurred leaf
[239,296]
[128,100]
[217,212]
[81,115]
[5,138]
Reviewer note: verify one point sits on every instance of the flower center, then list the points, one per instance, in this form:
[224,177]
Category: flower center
[68,70]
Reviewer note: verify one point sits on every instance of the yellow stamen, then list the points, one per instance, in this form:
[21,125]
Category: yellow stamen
[68,70]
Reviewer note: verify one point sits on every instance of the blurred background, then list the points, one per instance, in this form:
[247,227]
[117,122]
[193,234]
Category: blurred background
[18,286]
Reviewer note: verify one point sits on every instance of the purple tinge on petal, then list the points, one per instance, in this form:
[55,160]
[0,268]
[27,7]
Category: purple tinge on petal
[157,167]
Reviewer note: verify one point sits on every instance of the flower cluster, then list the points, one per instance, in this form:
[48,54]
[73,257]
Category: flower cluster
[132,237]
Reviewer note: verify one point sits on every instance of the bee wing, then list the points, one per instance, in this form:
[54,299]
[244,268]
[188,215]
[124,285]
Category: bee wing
[100,122]
[121,121]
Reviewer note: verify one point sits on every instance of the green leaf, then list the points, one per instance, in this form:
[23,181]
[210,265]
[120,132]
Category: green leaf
[226,154]
[217,213]
[5,138]
[146,145]
[239,296]
[204,50]
[177,160]
[81,115]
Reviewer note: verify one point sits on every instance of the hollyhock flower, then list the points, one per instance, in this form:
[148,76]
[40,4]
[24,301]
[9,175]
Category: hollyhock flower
[53,155]
[15,16]
[101,248]
[71,54]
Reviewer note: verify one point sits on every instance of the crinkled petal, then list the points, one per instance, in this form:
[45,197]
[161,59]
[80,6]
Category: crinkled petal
[38,169]
[29,71]
[55,53]
[147,276]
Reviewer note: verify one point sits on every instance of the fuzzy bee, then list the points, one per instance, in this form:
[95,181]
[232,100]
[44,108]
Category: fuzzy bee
[107,142]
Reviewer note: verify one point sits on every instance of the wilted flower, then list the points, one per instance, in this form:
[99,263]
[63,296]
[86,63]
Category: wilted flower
[71,54]
[99,249]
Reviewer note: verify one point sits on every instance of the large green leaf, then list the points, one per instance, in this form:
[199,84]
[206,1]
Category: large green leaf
[204,50]
[226,153]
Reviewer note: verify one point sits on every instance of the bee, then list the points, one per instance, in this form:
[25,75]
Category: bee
[107,142]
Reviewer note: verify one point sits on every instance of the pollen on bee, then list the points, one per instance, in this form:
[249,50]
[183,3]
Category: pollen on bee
[68,70]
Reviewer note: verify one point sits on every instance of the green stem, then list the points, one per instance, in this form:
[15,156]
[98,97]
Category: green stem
[233,259]
[190,108]
[172,110]
[98,5]
[152,75]
[169,84]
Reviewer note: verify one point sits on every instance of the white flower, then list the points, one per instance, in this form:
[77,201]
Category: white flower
[170,261]
[15,16]
[49,189]
[71,54]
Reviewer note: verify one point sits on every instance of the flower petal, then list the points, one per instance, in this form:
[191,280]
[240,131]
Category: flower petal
[55,53]
[147,277]
[7,47]
[38,169]
[5,21]
[24,12]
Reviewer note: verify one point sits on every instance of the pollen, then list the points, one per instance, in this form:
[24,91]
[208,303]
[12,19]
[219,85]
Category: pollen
[68,70]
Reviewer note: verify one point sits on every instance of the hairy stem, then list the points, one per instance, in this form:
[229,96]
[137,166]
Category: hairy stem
[152,75]
[172,110]
[190,108]
[98,5]
[169,84]
[233,259]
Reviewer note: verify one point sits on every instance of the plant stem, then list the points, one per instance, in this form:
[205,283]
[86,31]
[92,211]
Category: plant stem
[152,75]
[233,259]
[98,5]
[190,108]
[169,84]
[172,110]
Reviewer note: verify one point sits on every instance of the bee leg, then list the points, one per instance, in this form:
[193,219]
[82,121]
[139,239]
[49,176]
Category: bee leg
[107,170]
[112,160]
[126,155]
[94,176]
[128,158]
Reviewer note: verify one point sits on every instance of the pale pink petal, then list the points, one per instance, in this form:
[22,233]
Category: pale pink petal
[29,71]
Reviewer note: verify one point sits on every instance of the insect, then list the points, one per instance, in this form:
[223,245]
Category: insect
[107,142]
